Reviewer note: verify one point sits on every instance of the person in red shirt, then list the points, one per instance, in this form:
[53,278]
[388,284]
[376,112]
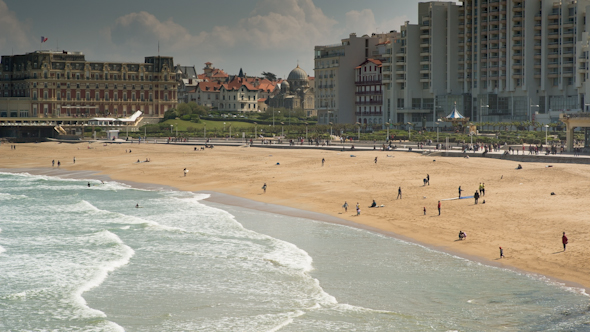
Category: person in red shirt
[564,240]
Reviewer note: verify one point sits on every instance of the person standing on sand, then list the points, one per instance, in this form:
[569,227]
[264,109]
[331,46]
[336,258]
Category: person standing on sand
[428,179]
[185,171]
[476,196]
[53,163]
[425,210]
[564,240]
[439,208]
[501,252]
[323,161]
[264,187]
[58,163]
[460,190]
[399,193]
[74,160]
[345,206]
[375,160]
[483,189]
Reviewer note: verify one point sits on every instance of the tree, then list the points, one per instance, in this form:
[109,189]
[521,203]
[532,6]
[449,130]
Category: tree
[269,76]
[183,109]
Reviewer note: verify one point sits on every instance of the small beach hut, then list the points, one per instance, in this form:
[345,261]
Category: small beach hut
[456,118]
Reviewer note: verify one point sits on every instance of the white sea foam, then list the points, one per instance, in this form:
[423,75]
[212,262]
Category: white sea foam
[289,319]
[104,269]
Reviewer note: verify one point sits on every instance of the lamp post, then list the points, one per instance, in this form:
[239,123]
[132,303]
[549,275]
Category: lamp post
[273,117]
[306,131]
[282,129]
[437,131]
[387,138]
[359,128]
[177,130]
[331,129]
[224,128]
[546,127]
[255,129]
[171,126]
[471,133]
[480,112]
[205,130]
[409,130]
[230,130]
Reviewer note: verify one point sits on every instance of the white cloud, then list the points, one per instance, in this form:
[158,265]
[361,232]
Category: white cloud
[14,34]
[363,22]
[286,24]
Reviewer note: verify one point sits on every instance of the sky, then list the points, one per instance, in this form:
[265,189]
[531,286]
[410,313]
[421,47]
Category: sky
[256,35]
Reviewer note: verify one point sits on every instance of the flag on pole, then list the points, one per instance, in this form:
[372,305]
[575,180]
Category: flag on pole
[43,39]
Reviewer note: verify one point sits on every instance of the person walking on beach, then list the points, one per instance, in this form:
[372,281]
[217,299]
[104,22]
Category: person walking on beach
[74,160]
[264,187]
[439,208]
[476,196]
[428,179]
[358,210]
[501,252]
[185,171]
[323,161]
[460,190]
[375,160]
[480,188]
[399,193]
[483,189]
[425,210]
[564,240]
[53,163]
[345,206]
[58,163]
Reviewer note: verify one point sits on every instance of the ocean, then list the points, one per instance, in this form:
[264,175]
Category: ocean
[75,257]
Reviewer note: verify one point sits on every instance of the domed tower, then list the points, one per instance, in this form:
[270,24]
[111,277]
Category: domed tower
[298,78]
[285,87]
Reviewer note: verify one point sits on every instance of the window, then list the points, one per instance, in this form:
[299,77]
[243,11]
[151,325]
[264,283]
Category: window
[44,94]
[96,96]
[124,96]
[69,96]
[106,95]
[87,95]
[400,103]
[77,95]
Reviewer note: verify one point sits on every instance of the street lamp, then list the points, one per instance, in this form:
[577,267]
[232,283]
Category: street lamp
[282,131]
[359,124]
[546,127]
[480,111]
[437,131]
[224,128]
[387,138]
[409,128]
[255,129]
[176,129]
[204,130]
[230,130]
[331,129]
[471,133]
[306,131]
[171,126]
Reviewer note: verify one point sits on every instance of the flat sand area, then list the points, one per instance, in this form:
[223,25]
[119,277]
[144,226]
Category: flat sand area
[519,213]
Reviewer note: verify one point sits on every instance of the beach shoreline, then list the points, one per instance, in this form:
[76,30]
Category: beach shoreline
[232,192]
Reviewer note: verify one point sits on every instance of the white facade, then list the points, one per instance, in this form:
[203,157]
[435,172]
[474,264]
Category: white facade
[498,60]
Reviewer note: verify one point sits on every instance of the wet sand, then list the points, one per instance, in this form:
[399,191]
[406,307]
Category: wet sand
[520,214]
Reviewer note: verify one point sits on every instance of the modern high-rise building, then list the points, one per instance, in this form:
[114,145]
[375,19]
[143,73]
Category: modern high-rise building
[496,60]
[49,84]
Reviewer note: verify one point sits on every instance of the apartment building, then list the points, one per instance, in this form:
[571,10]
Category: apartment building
[49,84]
[497,60]
[335,76]
[369,93]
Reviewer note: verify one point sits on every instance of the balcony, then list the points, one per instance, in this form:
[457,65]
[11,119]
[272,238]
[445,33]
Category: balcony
[367,82]
[369,103]
[364,93]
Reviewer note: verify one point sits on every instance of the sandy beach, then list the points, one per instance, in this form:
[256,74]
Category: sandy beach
[519,213]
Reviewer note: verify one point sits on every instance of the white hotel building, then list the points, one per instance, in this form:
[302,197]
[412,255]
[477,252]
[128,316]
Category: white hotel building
[498,60]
